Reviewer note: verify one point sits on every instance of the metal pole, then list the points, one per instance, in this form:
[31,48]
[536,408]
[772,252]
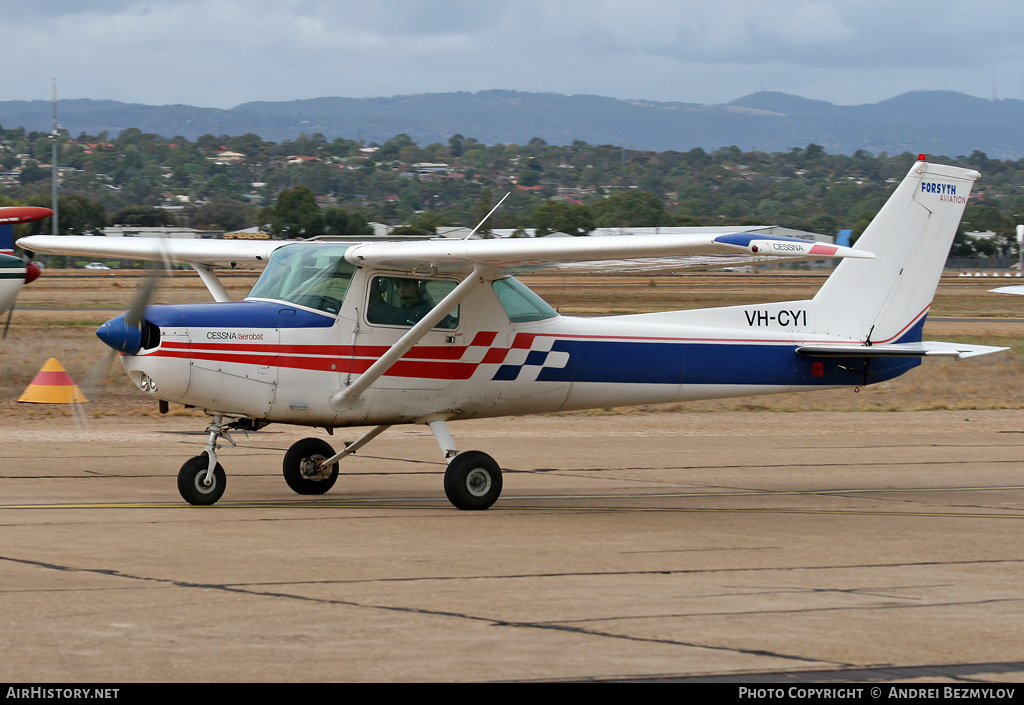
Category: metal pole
[53,174]
[1020,249]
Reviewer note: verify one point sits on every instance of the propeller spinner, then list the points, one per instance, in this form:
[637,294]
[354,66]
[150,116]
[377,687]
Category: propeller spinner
[126,334]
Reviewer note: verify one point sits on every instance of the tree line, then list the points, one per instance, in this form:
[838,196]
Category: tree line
[313,186]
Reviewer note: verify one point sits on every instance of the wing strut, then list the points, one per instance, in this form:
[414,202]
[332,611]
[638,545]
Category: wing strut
[211,280]
[351,448]
[349,398]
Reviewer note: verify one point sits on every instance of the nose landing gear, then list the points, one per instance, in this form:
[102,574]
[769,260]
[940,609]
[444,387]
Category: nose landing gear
[201,480]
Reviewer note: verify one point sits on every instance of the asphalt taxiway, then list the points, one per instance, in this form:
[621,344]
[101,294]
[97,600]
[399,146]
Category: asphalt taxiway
[746,546]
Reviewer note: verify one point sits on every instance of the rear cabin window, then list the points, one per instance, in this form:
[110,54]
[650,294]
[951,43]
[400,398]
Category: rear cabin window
[314,276]
[404,301]
[521,305]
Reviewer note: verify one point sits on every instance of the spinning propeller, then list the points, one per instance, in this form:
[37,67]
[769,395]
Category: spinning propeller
[126,333]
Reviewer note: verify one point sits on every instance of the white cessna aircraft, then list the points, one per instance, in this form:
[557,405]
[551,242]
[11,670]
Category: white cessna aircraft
[338,334]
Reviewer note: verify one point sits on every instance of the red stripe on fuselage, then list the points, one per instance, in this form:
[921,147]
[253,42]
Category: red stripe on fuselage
[342,365]
[423,352]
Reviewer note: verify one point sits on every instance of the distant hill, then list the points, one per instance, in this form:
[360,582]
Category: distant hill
[935,122]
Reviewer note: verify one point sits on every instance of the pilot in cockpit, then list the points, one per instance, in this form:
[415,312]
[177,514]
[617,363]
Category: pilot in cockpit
[399,301]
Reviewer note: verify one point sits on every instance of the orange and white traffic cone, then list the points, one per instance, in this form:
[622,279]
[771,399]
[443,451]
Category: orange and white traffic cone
[52,385]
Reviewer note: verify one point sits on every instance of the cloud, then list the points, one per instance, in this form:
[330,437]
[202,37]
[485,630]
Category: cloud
[230,51]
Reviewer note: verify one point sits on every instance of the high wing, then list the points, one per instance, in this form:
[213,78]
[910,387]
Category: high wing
[623,252]
[618,253]
[203,252]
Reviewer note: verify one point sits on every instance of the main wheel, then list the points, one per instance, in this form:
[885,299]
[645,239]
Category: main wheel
[472,480]
[191,481]
[300,467]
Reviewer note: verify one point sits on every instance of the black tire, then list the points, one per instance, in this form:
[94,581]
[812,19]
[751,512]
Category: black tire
[472,480]
[307,451]
[190,481]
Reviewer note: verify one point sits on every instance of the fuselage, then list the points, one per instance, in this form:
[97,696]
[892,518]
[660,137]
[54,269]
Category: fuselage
[284,354]
[12,278]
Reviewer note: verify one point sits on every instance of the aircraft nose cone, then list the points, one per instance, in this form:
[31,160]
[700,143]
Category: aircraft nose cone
[120,336]
[31,272]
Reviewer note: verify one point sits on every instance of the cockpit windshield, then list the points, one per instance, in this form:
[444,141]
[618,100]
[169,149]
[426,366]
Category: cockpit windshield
[315,276]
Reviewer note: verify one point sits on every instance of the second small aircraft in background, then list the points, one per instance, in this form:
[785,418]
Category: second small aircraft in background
[15,272]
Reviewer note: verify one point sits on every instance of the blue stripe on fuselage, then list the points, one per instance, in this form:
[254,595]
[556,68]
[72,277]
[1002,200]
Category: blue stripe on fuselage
[709,363]
[684,362]
[237,314]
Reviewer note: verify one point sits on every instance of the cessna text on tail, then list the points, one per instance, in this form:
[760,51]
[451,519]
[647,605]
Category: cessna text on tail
[374,334]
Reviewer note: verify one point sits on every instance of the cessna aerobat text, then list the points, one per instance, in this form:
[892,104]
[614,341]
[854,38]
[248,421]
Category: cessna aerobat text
[338,334]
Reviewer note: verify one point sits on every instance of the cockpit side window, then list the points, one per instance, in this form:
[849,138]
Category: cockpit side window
[521,305]
[403,301]
[313,276]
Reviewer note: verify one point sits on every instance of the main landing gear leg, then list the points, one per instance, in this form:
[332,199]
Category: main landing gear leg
[311,465]
[201,480]
[473,479]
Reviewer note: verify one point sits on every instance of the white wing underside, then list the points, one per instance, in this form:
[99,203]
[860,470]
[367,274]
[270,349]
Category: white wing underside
[206,252]
[667,253]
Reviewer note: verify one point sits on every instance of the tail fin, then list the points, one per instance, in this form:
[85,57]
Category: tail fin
[6,238]
[885,300]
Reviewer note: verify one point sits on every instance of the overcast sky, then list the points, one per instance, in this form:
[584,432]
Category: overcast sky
[220,53]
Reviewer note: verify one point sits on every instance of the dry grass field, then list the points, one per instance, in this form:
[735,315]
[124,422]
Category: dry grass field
[58,314]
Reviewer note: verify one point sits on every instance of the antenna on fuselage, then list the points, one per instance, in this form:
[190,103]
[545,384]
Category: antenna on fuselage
[488,216]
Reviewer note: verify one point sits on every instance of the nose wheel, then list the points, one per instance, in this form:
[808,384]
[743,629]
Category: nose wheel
[197,485]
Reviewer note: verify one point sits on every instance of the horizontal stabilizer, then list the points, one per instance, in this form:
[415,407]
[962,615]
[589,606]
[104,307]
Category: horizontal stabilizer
[926,348]
[1015,289]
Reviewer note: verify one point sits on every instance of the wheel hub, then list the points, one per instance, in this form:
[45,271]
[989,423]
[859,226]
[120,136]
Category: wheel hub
[309,467]
[203,485]
[478,482]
